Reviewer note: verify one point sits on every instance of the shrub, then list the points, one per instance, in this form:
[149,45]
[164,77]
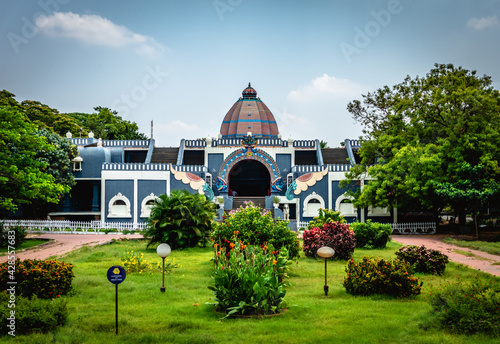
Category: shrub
[423,260]
[379,276]
[371,234]
[33,315]
[469,308]
[253,225]
[13,236]
[181,220]
[250,280]
[326,216]
[44,279]
[334,234]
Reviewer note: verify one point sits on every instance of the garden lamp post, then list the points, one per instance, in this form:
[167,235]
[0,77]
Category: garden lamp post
[163,251]
[326,252]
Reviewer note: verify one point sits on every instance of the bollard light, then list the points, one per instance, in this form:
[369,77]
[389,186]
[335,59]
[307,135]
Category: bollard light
[325,252]
[163,251]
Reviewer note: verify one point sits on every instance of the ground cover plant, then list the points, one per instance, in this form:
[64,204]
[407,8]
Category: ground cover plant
[182,315]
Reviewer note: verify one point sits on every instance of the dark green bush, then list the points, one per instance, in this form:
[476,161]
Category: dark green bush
[249,280]
[333,234]
[469,308]
[371,234]
[379,276]
[423,260]
[45,279]
[12,236]
[32,315]
[253,225]
[181,220]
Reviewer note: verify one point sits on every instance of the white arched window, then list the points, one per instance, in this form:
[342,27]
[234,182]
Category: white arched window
[119,206]
[345,206]
[146,205]
[312,204]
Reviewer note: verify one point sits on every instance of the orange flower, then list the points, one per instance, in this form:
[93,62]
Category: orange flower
[231,245]
[274,261]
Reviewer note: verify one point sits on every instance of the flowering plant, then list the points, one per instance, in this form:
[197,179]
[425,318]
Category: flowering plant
[136,263]
[423,259]
[379,276]
[253,225]
[250,280]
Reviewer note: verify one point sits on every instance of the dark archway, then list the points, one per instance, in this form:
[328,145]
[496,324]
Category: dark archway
[249,178]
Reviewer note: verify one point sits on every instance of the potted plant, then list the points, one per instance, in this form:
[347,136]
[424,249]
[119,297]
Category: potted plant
[276,201]
[221,200]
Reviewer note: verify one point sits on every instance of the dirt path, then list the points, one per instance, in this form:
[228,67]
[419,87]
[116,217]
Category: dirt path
[480,261]
[61,244]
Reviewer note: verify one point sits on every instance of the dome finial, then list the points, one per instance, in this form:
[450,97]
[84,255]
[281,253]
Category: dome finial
[249,85]
[249,92]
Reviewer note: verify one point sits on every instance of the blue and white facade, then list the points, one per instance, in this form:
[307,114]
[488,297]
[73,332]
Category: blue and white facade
[118,180]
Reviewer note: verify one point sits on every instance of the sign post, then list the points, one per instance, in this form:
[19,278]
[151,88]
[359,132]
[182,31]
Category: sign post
[116,275]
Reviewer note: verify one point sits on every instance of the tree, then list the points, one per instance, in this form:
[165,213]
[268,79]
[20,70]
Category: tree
[22,174]
[107,125]
[421,132]
[470,189]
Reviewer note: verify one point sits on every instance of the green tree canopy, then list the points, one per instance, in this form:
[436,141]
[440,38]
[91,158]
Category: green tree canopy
[107,125]
[23,177]
[422,131]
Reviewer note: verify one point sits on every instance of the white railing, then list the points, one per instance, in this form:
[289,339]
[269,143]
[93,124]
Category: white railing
[74,227]
[414,228]
[397,228]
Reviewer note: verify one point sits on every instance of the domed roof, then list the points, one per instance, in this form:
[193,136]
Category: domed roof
[249,92]
[249,114]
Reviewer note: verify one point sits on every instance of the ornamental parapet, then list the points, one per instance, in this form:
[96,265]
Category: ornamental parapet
[135,167]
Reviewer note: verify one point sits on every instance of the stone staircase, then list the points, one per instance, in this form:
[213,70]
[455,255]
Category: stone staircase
[334,156]
[162,155]
[240,201]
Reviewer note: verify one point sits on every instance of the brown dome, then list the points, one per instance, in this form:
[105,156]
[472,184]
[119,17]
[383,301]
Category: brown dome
[249,114]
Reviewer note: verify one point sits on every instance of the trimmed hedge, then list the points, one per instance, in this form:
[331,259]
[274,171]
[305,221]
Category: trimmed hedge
[380,276]
[371,234]
[45,279]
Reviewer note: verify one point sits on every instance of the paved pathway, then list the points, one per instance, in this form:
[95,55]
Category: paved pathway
[484,262]
[64,243]
[61,244]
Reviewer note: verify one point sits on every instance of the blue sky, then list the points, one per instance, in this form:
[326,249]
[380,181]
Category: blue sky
[184,63]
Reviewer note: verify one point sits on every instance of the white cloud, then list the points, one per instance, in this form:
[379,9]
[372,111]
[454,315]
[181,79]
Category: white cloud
[326,87]
[483,23]
[95,30]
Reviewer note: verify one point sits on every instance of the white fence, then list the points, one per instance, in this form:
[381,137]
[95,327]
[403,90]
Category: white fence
[73,227]
[397,228]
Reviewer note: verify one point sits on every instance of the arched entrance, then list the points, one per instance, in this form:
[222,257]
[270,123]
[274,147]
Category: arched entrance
[249,178]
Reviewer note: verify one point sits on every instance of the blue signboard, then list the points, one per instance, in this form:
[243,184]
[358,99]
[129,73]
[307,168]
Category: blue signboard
[116,274]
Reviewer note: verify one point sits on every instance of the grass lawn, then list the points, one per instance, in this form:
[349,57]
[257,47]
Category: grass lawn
[484,246]
[181,315]
[27,243]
